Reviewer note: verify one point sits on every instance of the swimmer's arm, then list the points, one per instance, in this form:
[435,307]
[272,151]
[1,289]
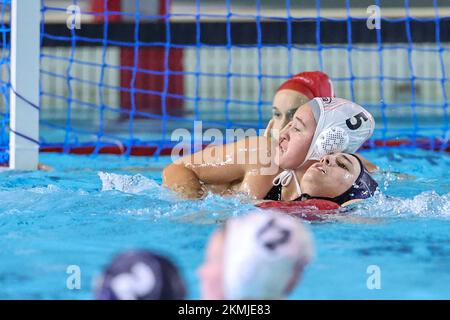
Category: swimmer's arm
[182,180]
[223,164]
[254,166]
[210,166]
[256,183]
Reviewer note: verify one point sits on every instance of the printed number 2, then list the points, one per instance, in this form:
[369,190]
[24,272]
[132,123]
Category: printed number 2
[358,123]
[279,236]
[130,286]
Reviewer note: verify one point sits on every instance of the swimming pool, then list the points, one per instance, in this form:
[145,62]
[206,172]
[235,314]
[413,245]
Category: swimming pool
[90,208]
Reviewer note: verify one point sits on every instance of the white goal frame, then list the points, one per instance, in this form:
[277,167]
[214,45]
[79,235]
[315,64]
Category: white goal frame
[24,92]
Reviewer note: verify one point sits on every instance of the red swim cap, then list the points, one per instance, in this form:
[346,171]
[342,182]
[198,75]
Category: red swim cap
[312,84]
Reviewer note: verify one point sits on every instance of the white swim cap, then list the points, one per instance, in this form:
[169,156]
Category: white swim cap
[342,126]
[260,255]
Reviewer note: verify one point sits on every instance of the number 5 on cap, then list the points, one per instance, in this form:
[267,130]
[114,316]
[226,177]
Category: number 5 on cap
[359,117]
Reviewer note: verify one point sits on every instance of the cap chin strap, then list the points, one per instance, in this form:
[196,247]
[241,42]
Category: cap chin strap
[285,178]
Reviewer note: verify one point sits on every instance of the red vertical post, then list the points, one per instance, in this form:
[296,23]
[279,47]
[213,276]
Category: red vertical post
[98,6]
[150,75]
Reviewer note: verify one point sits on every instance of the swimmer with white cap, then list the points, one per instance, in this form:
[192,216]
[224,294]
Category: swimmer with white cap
[295,92]
[256,256]
[322,126]
[335,132]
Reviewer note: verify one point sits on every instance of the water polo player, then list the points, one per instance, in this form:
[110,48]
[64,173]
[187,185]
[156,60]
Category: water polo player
[256,256]
[340,178]
[140,275]
[322,126]
[294,93]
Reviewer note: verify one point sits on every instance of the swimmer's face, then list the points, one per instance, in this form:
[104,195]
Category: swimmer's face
[211,271]
[285,104]
[331,176]
[296,138]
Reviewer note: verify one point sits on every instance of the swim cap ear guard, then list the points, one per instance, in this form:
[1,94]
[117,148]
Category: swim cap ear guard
[342,126]
[330,141]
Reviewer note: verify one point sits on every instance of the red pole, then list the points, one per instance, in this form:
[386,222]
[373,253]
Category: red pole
[150,59]
[98,6]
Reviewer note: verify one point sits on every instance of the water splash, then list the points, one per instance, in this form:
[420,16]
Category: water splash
[51,188]
[211,209]
[127,184]
[428,204]
[167,204]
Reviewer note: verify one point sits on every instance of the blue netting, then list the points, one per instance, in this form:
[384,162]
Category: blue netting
[115,83]
[4,81]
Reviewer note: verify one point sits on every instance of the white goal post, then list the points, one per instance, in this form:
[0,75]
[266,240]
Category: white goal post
[24,93]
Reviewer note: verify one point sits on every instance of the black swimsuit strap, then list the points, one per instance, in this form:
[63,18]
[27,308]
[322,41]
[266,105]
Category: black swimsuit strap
[274,193]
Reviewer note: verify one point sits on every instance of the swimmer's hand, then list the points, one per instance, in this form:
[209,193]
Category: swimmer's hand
[183,181]
[44,167]
[267,132]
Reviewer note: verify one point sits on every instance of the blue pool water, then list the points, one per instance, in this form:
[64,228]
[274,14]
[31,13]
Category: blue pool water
[90,208]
